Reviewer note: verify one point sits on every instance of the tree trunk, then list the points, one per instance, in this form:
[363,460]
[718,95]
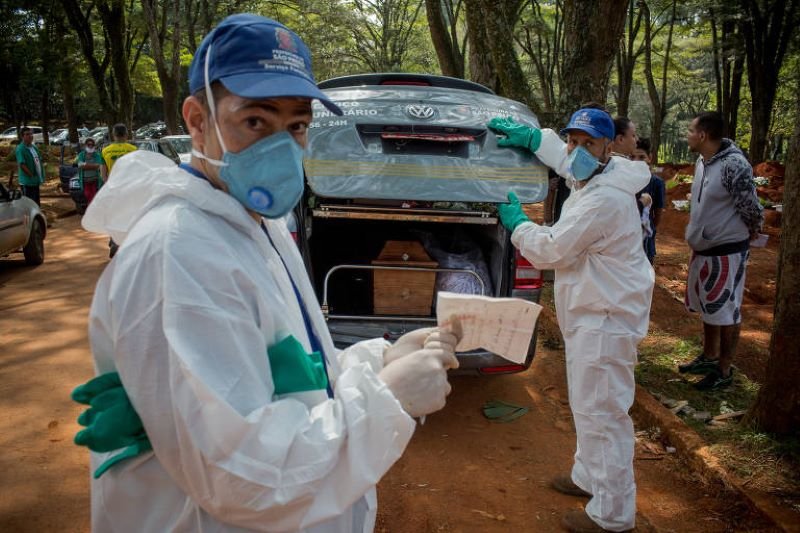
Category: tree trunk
[65,83]
[113,17]
[767,34]
[481,65]
[777,407]
[627,54]
[592,35]
[168,74]
[499,19]
[657,101]
[82,26]
[451,62]
[728,62]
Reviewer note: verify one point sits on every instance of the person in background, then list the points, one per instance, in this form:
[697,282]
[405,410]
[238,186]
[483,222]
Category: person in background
[111,153]
[658,195]
[725,215]
[31,167]
[116,149]
[234,410]
[90,170]
[624,137]
[603,291]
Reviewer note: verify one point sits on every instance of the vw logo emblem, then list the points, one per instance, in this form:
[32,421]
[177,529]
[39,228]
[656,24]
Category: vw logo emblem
[421,111]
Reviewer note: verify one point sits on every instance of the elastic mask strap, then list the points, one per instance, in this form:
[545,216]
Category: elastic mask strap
[213,108]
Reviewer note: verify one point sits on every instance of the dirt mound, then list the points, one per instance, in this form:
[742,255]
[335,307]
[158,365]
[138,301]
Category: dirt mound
[770,169]
[678,192]
[772,218]
[673,222]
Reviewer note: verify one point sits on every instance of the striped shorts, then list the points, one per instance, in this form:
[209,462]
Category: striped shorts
[715,287]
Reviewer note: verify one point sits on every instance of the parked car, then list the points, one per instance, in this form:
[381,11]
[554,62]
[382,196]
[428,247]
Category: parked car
[154,130]
[22,226]
[99,134]
[182,145]
[11,135]
[58,136]
[61,136]
[411,160]
[158,145]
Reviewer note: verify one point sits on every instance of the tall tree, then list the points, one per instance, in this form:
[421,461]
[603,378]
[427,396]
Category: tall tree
[658,99]
[383,30]
[493,58]
[481,66]
[592,31]
[163,20]
[540,35]
[443,18]
[777,407]
[121,49]
[767,27]
[726,39]
[627,57]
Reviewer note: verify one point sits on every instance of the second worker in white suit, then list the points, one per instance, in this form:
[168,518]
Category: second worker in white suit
[603,290]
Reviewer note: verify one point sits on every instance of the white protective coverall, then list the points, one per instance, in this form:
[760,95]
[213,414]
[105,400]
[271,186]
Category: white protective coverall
[603,290]
[185,313]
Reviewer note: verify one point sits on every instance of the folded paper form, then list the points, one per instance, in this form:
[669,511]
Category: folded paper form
[500,325]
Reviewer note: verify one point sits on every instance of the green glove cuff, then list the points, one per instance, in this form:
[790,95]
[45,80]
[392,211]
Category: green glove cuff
[140,447]
[295,370]
[536,139]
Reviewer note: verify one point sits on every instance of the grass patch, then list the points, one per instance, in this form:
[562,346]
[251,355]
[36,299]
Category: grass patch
[761,460]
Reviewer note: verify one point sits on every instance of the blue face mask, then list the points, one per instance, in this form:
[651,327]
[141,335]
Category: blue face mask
[582,163]
[267,176]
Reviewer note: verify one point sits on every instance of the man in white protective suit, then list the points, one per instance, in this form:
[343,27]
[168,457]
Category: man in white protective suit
[603,289]
[241,414]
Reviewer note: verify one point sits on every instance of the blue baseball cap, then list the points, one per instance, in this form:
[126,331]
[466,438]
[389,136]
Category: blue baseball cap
[595,122]
[256,57]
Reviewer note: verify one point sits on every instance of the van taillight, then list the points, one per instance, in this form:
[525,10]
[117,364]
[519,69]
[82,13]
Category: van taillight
[505,369]
[526,276]
[294,236]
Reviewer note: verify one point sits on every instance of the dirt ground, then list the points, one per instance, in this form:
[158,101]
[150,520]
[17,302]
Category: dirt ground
[460,473]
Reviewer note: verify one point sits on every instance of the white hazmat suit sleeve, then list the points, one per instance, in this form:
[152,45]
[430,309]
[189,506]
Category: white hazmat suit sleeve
[560,245]
[553,153]
[189,344]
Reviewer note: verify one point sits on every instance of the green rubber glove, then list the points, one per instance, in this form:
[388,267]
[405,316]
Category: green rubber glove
[511,214]
[295,370]
[516,134]
[111,421]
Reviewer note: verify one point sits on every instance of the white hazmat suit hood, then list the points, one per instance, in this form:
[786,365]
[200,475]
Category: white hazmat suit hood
[185,312]
[603,290]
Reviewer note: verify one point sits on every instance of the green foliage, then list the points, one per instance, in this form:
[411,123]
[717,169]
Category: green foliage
[145,78]
[353,36]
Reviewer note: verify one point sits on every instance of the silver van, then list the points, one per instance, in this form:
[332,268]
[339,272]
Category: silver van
[412,162]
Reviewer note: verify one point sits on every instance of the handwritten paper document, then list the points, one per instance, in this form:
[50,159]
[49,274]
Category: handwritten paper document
[501,325]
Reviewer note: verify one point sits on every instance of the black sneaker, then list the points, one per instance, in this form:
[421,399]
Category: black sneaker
[714,380]
[698,365]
